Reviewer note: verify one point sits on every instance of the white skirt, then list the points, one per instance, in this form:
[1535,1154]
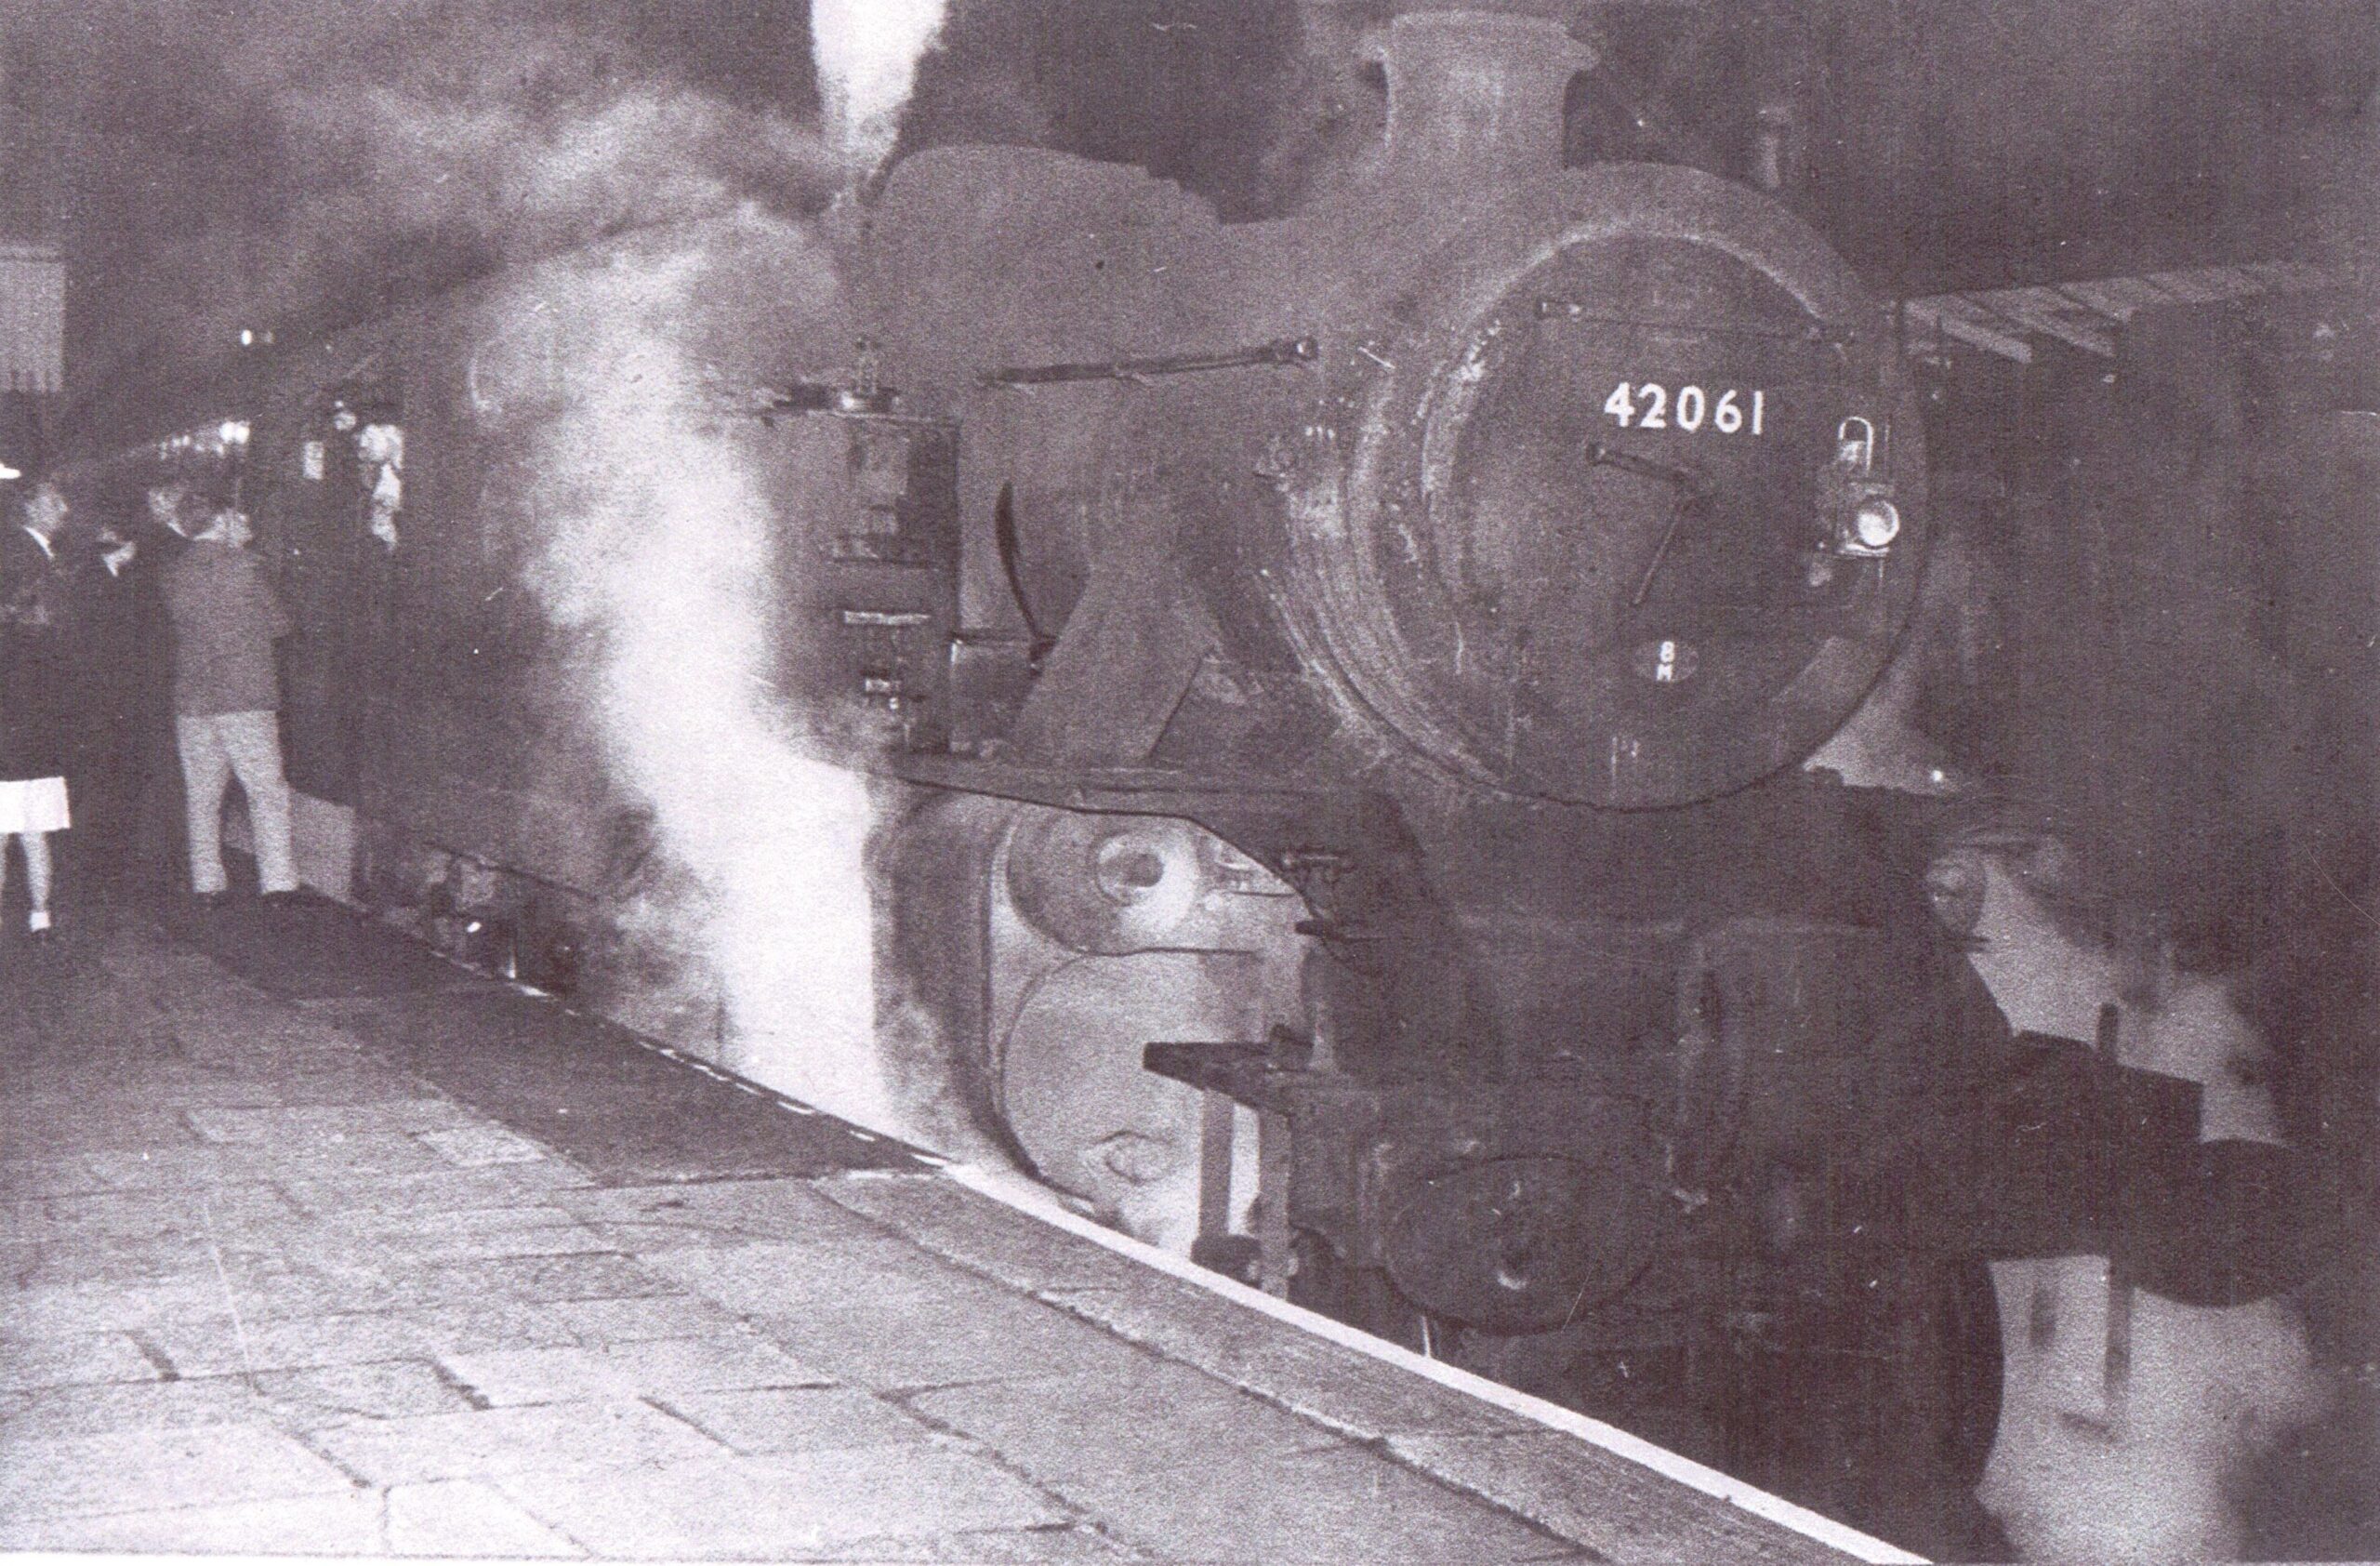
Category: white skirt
[35,805]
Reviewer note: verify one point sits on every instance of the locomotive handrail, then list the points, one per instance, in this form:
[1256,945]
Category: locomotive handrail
[1280,351]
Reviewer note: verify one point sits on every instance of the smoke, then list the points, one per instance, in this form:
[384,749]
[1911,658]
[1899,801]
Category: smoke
[868,53]
[282,162]
[663,551]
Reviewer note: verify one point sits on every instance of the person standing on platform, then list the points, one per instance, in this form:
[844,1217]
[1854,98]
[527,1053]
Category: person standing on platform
[160,844]
[34,673]
[121,714]
[226,702]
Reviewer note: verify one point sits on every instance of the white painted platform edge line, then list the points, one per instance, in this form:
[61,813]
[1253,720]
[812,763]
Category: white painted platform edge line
[1635,1449]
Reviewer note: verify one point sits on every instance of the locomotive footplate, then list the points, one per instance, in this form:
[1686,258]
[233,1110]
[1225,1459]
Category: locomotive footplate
[1520,1205]
[1553,1187]
[1792,1311]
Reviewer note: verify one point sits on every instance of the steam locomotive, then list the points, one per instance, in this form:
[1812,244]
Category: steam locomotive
[1479,552]
[1348,678]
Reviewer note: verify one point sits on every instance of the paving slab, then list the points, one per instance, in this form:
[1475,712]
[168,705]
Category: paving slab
[294,1400]
[106,1261]
[329,1082]
[64,1126]
[487,1328]
[893,1334]
[1621,1511]
[981,1235]
[774,1507]
[319,1525]
[55,1412]
[730,1212]
[68,1361]
[1056,1544]
[285,1125]
[157,1215]
[145,1470]
[661,1367]
[180,1167]
[394,1250]
[597,1322]
[477,1147]
[310,1283]
[62,1309]
[570,1275]
[262,1287]
[466,1518]
[436,1194]
[462,1518]
[231,1346]
[562,1440]
[25,1179]
[1362,1397]
[328,1395]
[880,1274]
[1343,1505]
[781,1419]
[528,1239]
[374,1227]
[344,1156]
[1145,1415]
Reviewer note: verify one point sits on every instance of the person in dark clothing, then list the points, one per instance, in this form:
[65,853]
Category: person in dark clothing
[227,701]
[122,718]
[172,513]
[34,693]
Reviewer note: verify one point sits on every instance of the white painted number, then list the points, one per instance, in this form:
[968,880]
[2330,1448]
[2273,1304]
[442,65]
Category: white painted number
[1650,406]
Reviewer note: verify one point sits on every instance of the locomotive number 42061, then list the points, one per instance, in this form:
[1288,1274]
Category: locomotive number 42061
[1650,406]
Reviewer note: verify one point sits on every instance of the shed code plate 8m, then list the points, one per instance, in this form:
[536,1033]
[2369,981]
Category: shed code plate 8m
[1650,406]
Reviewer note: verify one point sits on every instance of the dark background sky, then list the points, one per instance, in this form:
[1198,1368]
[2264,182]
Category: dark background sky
[309,159]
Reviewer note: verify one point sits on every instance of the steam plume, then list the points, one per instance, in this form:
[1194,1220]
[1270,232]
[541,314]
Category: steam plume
[662,547]
[868,53]
[2148,1470]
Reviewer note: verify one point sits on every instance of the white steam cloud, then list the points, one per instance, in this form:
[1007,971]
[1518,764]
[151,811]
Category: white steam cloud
[2147,1469]
[661,544]
[868,53]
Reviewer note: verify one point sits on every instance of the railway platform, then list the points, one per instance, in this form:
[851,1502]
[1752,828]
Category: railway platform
[316,1244]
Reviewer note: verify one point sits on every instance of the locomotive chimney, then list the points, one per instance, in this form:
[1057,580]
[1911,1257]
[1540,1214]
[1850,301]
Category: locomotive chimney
[1475,96]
